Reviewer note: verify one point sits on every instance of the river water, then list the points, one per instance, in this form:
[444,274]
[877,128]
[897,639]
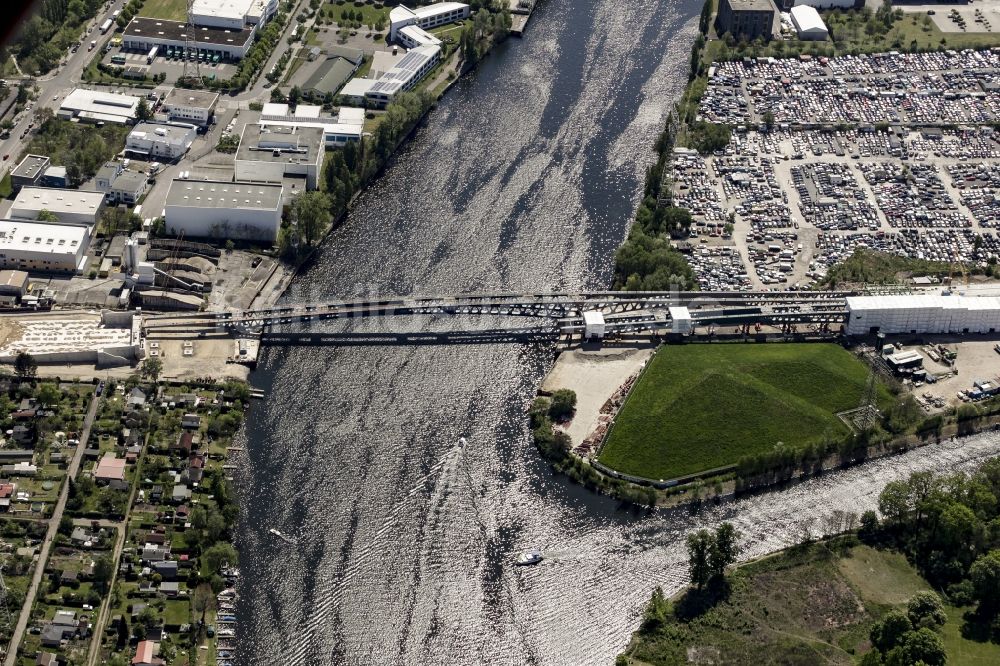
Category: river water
[524,178]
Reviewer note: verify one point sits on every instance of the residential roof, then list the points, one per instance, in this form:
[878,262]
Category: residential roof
[356,56]
[331,74]
[145,652]
[110,467]
[224,194]
[149,28]
[56,200]
[30,167]
[195,99]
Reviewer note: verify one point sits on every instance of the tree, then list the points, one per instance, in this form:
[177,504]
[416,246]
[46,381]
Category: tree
[65,525]
[202,600]
[724,550]
[104,569]
[311,213]
[985,576]
[123,634]
[562,404]
[869,526]
[769,120]
[699,546]
[151,368]
[45,215]
[25,366]
[218,556]
[894,501]
[925,609]
[887,633]
[922,646]
[48,395]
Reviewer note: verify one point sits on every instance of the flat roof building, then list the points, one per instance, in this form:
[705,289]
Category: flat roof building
[69,206]
[43,247]
[426,18]
[268,154]
[99,106]
[128,187]
[190,106]
[232,13]
[29,171]
[808,24]
[919,314]
[346,126]
[142,34]
[154,141]
[222,210]
[354,91]
[413,67]
[747,19]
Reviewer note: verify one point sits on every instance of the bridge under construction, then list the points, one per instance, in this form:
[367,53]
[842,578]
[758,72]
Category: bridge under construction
[556,316]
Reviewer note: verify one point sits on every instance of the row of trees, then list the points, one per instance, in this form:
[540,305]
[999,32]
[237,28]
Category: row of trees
[489,25]
[902,638]
[47,35]
[266,41]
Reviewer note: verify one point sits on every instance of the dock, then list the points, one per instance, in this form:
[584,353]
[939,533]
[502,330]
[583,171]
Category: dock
[520,13]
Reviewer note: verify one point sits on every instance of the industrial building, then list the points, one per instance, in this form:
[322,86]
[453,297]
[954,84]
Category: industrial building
[142,34]
[424,18]
[43,247]
[190,106]
[37,171]
[268,154]
[79,207]
[154,141]
[127,187]
[339,65]
[233,14]
[747,19]
[413,67]
[110,339]
[808,24]
[918,314]
[98,106]
[346,126]
[222,209]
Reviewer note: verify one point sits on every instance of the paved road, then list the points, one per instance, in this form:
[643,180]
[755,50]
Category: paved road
[43,555]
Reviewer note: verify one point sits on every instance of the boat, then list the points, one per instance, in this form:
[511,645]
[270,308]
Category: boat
[528,557]
[462,441]
[283,537]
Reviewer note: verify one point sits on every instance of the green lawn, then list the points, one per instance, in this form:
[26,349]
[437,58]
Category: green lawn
[698,407]
[808,605]
[171,10]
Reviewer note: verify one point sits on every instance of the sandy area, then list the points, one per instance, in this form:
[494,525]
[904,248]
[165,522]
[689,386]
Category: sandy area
[595,376]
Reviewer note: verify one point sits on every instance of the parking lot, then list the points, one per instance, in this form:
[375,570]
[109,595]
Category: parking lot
[171,67]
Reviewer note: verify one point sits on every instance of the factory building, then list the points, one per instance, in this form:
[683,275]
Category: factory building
[808,24]
[346,126]
[190,106]
[424,18]
[78,207]
[98,106]
[413,67]
[153,141]
[918,314]
[223,209]
[747,19]
[142,34]
[43,247]
[232,14]
[273,153]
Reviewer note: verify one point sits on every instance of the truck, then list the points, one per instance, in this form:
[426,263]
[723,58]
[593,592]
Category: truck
[152,54]
[105,26]
[93,45]
[115,14]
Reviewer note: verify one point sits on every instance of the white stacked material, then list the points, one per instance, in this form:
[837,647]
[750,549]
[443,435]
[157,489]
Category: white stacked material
[923,314]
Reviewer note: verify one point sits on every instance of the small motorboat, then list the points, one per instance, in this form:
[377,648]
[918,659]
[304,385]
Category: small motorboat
[462,441]
[528,557]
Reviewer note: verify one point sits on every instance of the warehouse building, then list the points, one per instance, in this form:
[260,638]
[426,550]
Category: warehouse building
[413,67]
[142,34]
[918,314]
[190,106]
[99,106]
[268,154]
[808,24]
[69,206]
[747,19]
[153,141]
[424,18]
[339,65]
[223,209]
[232,14]
[43,247]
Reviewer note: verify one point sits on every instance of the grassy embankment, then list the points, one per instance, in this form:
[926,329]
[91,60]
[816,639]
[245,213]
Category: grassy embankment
[811,604]
[700,407]
[168,10]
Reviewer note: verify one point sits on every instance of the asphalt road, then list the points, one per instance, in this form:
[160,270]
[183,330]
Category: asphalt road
[43,555]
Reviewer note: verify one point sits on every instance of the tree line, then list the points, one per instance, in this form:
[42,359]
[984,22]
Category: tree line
[48,34]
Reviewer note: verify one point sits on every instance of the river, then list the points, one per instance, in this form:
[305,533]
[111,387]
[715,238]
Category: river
[524,178]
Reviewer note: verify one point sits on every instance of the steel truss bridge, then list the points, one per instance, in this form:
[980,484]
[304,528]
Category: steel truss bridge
[562,314]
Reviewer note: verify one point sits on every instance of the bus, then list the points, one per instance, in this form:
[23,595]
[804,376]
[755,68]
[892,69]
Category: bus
[152,54]
[105,26]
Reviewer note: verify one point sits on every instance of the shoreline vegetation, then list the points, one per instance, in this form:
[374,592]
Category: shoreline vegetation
[918,581]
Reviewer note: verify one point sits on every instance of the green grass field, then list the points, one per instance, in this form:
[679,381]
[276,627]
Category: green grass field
[171,10]
[698,407]
[803,606]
